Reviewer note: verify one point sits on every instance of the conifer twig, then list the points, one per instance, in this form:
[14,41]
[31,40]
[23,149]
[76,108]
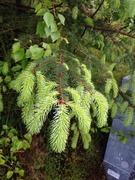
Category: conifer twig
[85,86]
[111,30]
[83,53]
[61,101]
[125,97]
[42,65]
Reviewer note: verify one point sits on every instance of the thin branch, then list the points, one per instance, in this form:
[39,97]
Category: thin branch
[61,101]
[97,9]
[84,85]
[15,6]
[111,30]
[42,65]
[12,29]
[83,53]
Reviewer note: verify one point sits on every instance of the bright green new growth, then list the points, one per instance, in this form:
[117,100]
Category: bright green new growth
[38,96]
[60,128]
[60,83]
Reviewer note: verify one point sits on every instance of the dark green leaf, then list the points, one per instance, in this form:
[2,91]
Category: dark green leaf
[40,28]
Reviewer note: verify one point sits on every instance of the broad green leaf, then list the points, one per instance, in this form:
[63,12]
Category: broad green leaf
[40,28]
[18,55]
[48,52]
[36,52]
[21,172]
[5,68]
[55,36]
[47,31]
[9,174]
[16,68]
[48,3]
[2,161]
[5,127]
[38,7]
[28,137]
[16,46]
[24,63]
[19,145]
[48,18]
[1,79]
[4,89]
[54,27]
[0,96]
[41,12]
[46,45]
[26,144]
[7,79]
[16,169]
[61,18]
[28,53]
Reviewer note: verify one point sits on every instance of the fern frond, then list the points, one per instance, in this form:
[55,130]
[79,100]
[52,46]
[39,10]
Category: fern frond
[129,116]
[101,105]
[84,119]
[108,85]
[60,129]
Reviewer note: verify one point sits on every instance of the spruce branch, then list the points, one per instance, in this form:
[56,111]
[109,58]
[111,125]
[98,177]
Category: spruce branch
[60,128]
[111,30]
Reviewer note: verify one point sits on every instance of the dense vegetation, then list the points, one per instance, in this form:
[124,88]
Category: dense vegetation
[61,66]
